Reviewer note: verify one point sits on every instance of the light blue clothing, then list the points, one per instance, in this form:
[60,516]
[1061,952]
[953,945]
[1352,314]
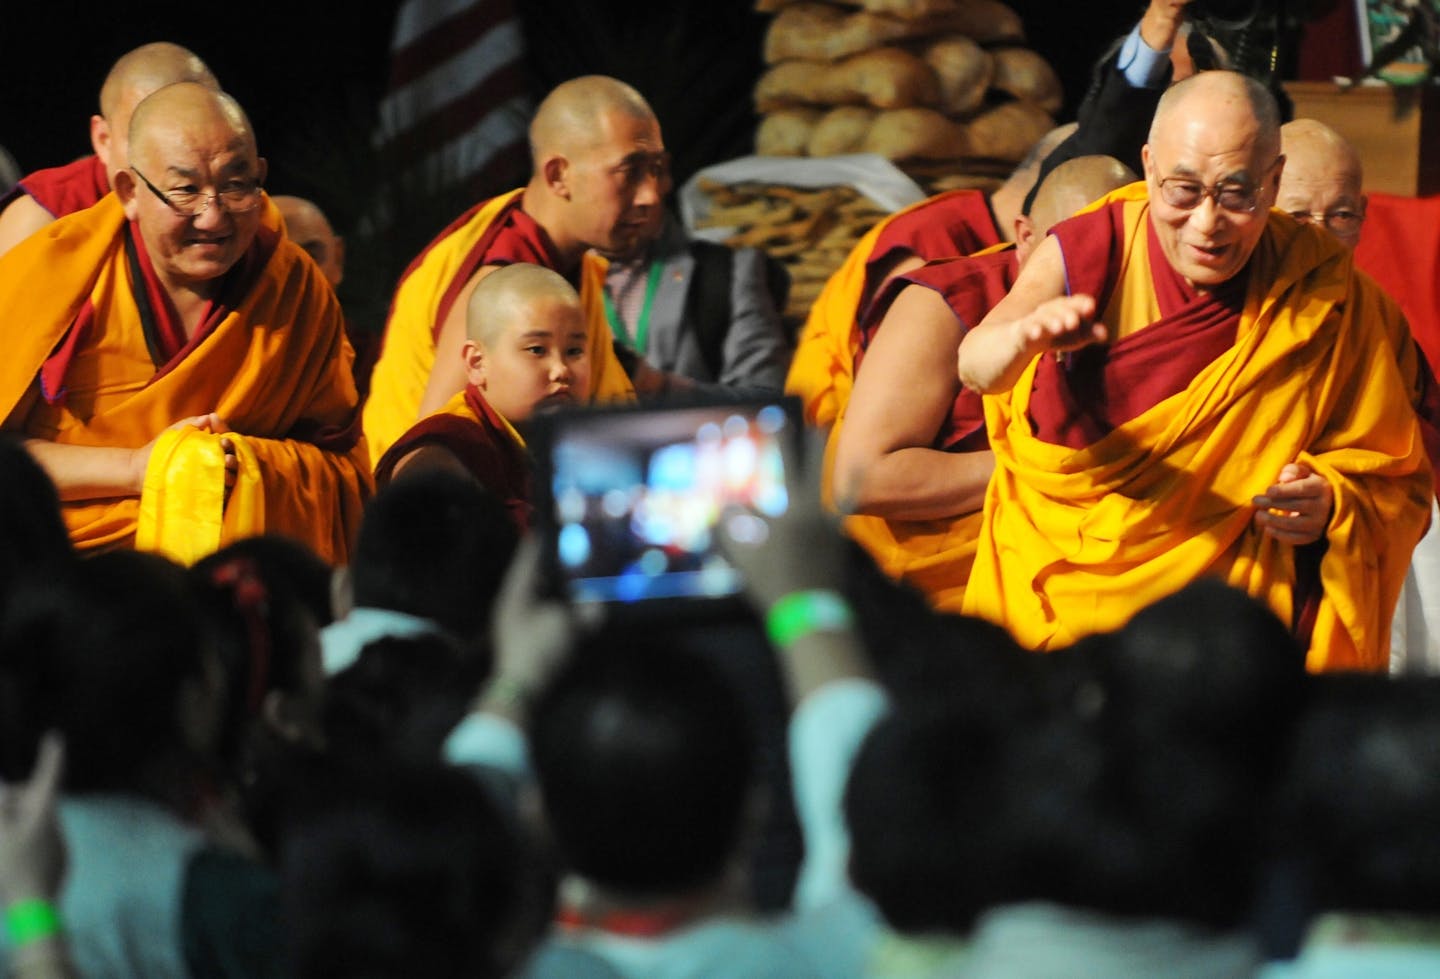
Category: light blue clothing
[124,887]
[1365,946]
[1023,941]
[1142,65]
[1360,962]
[341,641]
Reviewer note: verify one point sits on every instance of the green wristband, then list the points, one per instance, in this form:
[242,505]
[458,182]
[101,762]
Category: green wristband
[31,921]
[801,613]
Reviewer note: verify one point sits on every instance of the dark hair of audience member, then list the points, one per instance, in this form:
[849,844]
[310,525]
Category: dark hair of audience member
[1360,802]
[269,647]
[286,565]
[1191,705]
[111,653]
[645,763]
[927,802]
[407,871]
[401,697]
[32,532]
[436,546]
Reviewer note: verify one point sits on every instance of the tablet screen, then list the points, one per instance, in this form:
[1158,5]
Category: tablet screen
[635,495]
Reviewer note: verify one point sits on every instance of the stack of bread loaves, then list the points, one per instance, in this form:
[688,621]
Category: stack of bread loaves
[938,86]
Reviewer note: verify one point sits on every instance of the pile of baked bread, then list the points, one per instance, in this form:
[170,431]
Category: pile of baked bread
[940,87]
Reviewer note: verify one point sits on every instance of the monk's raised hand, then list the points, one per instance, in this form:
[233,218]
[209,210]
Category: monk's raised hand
[1063,323]
[1296,509]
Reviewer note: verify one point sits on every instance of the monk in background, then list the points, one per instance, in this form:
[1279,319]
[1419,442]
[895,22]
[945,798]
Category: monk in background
[958,222]
[525,351]
[210,400]
[910,457]
[1323,183]
[599,162]
[308,227]
[1185,383]
[41,197]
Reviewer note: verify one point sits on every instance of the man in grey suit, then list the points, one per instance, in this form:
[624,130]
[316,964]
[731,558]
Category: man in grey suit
[700,310]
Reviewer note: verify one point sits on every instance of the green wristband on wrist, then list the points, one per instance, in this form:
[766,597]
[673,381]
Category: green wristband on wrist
[31,921]
[802,613]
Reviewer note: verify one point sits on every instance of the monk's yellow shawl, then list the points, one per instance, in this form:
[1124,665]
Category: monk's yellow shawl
[403,369]
[1076,541]
[276,369]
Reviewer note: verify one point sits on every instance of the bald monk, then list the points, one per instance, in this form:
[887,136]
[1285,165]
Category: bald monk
[1184,383]
[910,454]
[308,227]
[45,195]
[959,222]
[598,160]
[525,351]
[1322,183]
[183,374]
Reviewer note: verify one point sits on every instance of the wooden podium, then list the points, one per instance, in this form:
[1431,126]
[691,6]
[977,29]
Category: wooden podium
[1396,130]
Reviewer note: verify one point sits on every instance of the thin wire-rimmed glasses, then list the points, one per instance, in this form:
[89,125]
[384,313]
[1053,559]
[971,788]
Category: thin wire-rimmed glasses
[1186,193]
[234,199]
[1341,221]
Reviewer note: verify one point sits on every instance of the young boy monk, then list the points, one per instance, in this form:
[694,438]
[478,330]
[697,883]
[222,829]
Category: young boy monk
[525,349]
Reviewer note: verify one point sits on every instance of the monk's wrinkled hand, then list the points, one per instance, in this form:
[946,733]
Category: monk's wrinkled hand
[1060,324]
[232,464]
[1297,508]
[140,458]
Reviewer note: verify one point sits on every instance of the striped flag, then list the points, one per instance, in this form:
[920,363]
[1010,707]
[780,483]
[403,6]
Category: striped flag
[453,121]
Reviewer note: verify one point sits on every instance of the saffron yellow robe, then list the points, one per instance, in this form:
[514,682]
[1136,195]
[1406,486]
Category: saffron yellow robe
[1075,541]
[276,368]
[407,354]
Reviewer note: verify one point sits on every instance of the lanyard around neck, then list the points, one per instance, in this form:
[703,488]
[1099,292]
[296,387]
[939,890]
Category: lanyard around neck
[642,325]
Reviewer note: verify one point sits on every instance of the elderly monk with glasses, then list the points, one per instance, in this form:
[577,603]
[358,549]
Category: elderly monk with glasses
[176,364]
[1184,382]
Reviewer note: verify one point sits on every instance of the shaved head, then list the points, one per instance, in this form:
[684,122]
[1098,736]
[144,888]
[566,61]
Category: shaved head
[510,293]
[147,68]
[1322,180]
[307,226]
[1246,105]
[1212,171]
[191,141]
[571,117]
[1008,200]
[1023,176]
[1315,144]
[1074,184]
[176,109]
[135,77]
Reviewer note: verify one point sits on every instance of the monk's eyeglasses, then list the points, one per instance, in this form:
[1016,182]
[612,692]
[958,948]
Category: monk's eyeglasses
[1341,221]
[236,199]
[1238,198]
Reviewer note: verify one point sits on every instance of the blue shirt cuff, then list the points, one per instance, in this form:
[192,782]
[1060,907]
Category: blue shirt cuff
[1142,65]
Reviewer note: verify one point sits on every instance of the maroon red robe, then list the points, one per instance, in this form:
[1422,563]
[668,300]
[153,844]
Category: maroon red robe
[64,190]
[471,430]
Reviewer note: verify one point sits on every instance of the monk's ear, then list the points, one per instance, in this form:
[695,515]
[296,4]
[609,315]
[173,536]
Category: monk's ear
[1147,164]
[126,187]
[556,171]
[1275,173]
[261,169]
[473,356]
[100,138]
[1024,231]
